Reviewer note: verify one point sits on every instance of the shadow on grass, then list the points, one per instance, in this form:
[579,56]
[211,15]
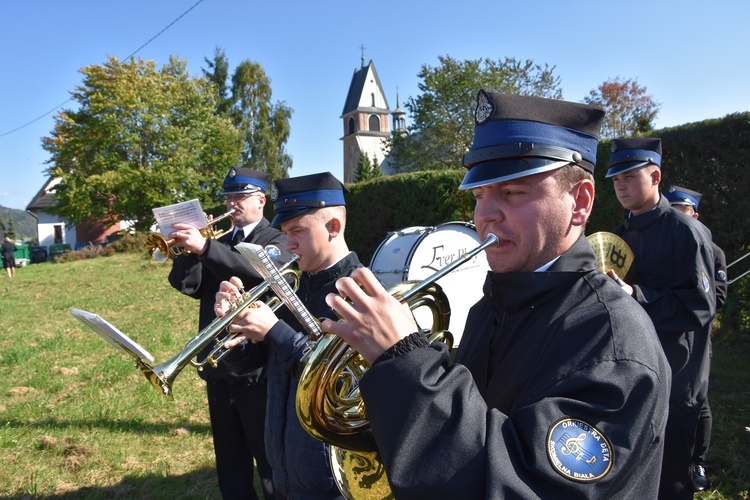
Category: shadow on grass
[200,484]
[119,425]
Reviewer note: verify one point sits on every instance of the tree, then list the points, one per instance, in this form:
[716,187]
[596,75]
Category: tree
[367,170]
[442,116]
[11,232]
[140,138]
[265,126]
[629,110]
[218,74]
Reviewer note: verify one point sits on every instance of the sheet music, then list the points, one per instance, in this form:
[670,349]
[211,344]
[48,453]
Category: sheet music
[186,212]
[111,334]
[256,255]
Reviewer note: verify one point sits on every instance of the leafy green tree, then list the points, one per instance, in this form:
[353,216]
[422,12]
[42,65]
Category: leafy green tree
[2,227]
[630,111]
[11,229]
[140,138]
[218,74]
[366,169]
[442,116]
[264,125]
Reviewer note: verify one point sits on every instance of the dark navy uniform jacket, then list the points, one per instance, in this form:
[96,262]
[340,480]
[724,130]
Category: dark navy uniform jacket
[540,353]
[673,279]
[299,461]
[199,277]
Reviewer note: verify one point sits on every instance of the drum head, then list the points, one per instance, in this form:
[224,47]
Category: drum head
[415,254]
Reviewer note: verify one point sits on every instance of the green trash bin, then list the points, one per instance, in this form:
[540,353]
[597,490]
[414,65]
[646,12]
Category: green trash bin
[22,255]
[56,251]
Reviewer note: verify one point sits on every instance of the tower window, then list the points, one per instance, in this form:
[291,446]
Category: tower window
[374,123]
[372,97]
[351,127]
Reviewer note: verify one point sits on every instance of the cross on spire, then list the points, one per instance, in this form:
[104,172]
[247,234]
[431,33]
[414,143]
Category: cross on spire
[362,48]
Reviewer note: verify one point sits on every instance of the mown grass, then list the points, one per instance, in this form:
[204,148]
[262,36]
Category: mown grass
[77,420]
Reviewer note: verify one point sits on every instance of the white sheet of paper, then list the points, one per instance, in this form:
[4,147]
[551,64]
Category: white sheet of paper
[111,334]
[186,212]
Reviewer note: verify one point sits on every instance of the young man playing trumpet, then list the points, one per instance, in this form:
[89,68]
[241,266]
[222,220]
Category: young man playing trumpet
[311,211]
[236,399]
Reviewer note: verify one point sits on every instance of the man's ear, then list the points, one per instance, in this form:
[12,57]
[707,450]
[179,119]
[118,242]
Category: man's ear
[334,227]
[583,202]
[656,176]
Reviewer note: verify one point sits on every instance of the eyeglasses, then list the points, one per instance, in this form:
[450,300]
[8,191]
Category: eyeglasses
[237,198]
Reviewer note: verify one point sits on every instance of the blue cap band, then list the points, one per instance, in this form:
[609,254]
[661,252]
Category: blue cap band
[513,132]
[680,198]
[309,199]
[635,155]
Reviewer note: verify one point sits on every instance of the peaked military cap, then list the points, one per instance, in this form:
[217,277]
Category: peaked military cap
[683,196]
[299,195]
[516,136]
[629,154]
[241,180]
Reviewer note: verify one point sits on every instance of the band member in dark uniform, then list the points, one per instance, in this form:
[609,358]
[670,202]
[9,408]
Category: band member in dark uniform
[311,210]
[672,278]
[686,201]
[559,388]
[236,400]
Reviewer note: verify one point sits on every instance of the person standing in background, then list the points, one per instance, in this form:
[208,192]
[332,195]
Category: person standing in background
[672,279]
[9,260]
[686,201]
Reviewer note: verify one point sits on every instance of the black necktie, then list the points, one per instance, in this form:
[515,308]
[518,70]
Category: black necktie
[239,235]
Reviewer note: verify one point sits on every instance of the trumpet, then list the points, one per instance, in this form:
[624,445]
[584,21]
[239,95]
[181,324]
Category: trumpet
[160,248]
[162,376]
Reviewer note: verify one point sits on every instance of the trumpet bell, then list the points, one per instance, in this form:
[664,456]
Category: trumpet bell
[158,247]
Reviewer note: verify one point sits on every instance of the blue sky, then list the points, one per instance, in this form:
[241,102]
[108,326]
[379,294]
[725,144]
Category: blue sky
[691,56]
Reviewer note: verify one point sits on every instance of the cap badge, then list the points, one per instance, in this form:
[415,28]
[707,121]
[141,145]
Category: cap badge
[232,172]
[485,108]
[578,451]
[672,189]
[614,147]
[274,193]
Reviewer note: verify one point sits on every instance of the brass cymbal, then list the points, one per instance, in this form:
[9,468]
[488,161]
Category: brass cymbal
[611,252]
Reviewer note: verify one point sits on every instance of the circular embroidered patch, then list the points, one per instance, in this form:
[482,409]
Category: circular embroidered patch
[578,451]
[272,251]
[706,282]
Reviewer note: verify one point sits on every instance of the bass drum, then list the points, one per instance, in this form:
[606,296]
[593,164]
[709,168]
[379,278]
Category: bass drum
[415,253]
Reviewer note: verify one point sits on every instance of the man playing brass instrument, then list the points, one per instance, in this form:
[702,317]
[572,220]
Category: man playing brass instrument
[236,399]
[674,283]
[311,211]
[560,386]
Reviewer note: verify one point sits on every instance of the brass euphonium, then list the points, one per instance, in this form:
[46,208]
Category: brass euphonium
[329,405]
[163,375]
[160,248]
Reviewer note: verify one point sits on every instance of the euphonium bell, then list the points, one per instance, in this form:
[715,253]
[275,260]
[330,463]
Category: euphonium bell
[160,248]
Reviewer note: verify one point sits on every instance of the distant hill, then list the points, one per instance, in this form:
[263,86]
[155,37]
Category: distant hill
[23,222]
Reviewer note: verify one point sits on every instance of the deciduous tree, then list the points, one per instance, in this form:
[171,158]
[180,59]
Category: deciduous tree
[442,117]
[630,111]
[264,125]
[140,138]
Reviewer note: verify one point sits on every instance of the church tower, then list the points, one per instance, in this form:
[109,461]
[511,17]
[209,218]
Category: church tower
[365,118]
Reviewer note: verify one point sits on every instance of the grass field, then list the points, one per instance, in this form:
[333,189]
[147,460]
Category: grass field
[77,420]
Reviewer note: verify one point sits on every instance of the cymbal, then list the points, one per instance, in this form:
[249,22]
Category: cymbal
[611,252]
